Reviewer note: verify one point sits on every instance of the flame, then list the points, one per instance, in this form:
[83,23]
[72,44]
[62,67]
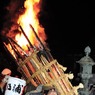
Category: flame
[21,40]
[30,17]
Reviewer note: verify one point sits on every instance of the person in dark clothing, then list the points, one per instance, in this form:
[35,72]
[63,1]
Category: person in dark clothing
[50,90]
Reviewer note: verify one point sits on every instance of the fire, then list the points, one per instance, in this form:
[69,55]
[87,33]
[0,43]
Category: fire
[38,67]
[30,17]
[21,40]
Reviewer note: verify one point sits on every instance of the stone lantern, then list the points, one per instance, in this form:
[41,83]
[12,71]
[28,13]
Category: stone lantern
[86,64]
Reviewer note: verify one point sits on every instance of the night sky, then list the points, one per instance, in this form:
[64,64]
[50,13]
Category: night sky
[69,26]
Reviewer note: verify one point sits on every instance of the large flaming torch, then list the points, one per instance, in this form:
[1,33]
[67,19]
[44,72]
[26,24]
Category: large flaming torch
[33,57]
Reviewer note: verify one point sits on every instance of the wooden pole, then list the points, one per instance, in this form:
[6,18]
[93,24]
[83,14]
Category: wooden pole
[26,37]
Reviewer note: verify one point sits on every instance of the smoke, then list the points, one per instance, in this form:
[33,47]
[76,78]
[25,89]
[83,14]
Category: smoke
[12,10]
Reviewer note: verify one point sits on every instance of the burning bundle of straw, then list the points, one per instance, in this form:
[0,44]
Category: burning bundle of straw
[39,67]
[32,56]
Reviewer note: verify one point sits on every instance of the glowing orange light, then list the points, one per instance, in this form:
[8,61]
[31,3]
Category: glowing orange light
[30,17]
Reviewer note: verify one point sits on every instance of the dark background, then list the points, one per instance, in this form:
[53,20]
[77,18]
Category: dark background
[69,26]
